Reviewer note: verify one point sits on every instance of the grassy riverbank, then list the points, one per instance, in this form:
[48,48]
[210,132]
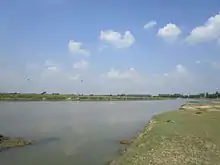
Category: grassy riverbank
[188,136]
[69,97]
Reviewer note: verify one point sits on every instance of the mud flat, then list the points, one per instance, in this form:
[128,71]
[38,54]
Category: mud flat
[9,143]
[190,135]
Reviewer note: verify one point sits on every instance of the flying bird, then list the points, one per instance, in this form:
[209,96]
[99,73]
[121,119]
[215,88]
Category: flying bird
[27,78]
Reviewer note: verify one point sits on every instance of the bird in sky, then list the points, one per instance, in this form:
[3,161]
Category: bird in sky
[27,78]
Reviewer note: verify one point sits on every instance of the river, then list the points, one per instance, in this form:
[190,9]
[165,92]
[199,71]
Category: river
[80,133]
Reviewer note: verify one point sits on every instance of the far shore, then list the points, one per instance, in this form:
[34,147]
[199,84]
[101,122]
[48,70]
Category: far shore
[82,100]
[91,97]
[51,97]
[187,136]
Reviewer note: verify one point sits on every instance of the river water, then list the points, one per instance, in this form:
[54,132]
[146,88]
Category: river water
[80,133]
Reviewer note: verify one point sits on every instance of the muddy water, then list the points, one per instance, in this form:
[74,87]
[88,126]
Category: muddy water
[70,133]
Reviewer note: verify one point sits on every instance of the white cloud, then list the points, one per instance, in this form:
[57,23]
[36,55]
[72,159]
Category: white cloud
[181,69]
[52,68]
[116,39]
[81,64]
[170,32]
[75,77]
[198,62]
[117,74]
[76,48]
[115,80]
[121,81]
[150,24]
[177,80]
[207,32]
[50,65]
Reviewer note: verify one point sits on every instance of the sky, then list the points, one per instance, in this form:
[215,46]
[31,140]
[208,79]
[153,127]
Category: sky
[126,46]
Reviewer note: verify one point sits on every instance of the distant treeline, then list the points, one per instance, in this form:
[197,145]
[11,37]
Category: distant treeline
[56,96]
[200,95]
[73,97]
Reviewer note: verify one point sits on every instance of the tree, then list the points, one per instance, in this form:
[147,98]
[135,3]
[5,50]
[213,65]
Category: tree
[217,94]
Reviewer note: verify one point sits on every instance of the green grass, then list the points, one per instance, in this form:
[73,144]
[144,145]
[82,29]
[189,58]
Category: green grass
[190,138]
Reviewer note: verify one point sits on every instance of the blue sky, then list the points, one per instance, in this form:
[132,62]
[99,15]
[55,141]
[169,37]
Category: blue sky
[114,46]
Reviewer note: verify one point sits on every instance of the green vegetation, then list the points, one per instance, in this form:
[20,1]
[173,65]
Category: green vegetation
[204,95]
[188,136]
[119,97]
[71,97]
[7,142]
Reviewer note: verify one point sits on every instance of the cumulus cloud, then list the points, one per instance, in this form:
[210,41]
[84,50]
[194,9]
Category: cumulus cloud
[179,79]
[76,48]
[81,64]
[52,68]
[50,65]
[128,81]
[131,73]
[115,80]
[150,24]
[170,32]
[210,30]
[180,68]
[121,81]
[117,39]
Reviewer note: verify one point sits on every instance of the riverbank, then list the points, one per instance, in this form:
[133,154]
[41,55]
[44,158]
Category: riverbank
[187,136]
[8,142]
[63,97]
